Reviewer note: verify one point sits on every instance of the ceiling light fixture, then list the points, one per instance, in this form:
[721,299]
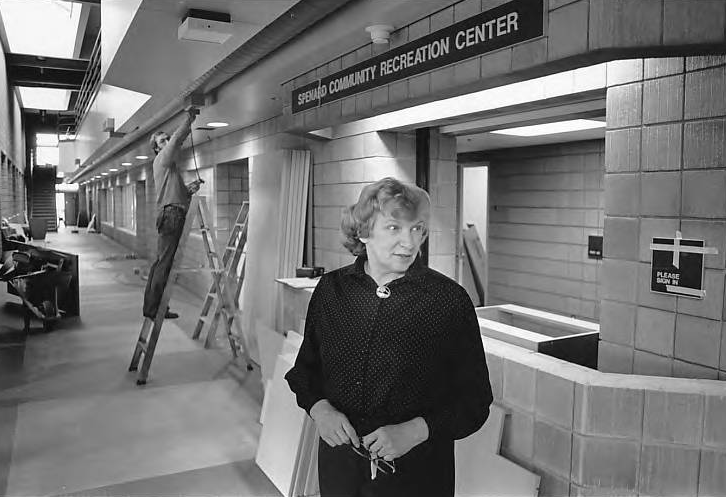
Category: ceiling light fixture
[380,33]
[552,128]
[125,163]
[142,157]
[44,98]
[24,19]
[217,124]
[113,169]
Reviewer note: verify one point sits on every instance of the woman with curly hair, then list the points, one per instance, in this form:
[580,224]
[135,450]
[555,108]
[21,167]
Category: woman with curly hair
[391,368]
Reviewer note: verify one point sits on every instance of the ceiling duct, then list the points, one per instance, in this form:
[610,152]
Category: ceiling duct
[297,19]
[206,26]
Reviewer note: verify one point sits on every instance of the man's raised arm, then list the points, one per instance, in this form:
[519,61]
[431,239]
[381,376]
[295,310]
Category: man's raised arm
[180,134]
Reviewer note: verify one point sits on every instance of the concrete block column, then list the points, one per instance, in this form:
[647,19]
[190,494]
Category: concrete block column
[6,190]
[443,190]
[142,229]
[664,171]
[150,211]
[232,182]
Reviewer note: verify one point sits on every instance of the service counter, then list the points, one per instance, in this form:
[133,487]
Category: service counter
[570,339]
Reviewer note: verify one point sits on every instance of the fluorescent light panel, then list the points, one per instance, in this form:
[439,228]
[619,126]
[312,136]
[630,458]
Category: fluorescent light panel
[217,124]
[551,86]
[44,98]
[47,155]
[28,24]
[552,128]
[46,139]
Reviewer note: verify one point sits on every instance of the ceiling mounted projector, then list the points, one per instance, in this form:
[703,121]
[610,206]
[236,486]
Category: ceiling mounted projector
[205,25]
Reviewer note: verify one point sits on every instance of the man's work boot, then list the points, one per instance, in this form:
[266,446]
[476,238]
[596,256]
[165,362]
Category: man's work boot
[170,315]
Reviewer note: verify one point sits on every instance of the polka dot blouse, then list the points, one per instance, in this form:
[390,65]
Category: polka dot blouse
[384,361]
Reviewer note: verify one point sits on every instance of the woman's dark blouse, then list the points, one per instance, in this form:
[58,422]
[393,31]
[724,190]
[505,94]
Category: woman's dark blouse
[386,361]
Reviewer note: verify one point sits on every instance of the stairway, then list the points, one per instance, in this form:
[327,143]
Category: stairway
[42,201]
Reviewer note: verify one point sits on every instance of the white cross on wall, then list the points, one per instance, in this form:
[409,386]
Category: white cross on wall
[677,248]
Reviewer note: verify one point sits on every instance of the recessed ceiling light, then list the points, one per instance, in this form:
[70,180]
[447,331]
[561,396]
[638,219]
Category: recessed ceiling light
[142,157]
[44,98]
[23,19]
[552,128]
[217,124]
[125,163]
[104,174]
[113,169]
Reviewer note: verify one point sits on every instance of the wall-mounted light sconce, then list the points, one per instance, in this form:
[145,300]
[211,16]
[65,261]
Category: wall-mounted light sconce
[109,127]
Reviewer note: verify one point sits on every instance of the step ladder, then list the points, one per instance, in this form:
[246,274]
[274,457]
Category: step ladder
[151,328]
[229,285]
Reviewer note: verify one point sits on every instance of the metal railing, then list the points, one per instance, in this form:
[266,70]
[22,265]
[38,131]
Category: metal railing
[89,86]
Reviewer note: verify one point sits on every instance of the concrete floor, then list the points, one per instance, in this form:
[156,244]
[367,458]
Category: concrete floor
[73,421]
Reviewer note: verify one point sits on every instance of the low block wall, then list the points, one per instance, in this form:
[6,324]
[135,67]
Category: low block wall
[592,433]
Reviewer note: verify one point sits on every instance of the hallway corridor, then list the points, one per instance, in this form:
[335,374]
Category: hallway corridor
[73,421]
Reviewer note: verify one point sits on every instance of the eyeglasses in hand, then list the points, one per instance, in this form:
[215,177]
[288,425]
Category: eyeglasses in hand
[377,463]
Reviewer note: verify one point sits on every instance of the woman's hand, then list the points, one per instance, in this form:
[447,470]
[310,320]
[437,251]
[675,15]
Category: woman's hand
[333,425]
[392,441]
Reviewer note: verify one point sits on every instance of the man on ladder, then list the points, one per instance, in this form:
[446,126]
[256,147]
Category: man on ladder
[172,200]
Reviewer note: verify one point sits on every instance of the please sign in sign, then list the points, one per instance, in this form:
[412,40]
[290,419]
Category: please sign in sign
[677,266]
[507,24]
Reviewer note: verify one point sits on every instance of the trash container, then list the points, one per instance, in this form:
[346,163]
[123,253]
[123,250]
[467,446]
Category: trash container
[38,228]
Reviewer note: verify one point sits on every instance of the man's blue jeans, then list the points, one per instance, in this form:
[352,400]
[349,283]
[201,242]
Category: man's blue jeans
[169,224]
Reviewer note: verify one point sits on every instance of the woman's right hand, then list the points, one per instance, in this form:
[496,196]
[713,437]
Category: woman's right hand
[333,425]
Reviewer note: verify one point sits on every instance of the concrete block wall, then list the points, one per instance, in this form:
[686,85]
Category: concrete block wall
[142,228]
[12,136]
[260,138]
[341,168]
[233,188]
[136,240]
[7,190]
[12,146]
[222,199]
[20,202]
[102,214]
[665,172]
[590,433]
[544,203]
[599,30]
[444,191]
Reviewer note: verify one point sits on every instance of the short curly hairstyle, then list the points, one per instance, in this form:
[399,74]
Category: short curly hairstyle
[389,196]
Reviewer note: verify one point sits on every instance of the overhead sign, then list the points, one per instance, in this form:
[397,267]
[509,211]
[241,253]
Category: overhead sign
[510,23]
[677,266]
